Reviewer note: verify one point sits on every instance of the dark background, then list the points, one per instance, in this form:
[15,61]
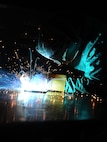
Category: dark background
[15,17]
[79,19]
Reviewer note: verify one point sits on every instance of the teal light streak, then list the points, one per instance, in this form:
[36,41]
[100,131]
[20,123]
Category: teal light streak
[89,57]
[71,87]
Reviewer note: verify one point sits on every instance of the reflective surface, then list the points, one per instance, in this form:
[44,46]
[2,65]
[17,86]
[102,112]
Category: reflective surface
[50,106]
[19,32]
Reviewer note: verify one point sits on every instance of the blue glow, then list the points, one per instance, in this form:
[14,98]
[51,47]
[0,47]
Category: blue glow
[37,83]
[46,52]
[9,81]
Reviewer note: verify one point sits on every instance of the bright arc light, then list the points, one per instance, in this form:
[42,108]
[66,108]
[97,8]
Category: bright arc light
[38,86]
[37,83]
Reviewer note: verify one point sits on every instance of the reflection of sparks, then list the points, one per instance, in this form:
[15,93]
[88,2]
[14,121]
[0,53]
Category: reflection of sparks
[47,107]
[93,105]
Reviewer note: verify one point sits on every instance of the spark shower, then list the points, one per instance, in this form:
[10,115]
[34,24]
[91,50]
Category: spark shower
[89,64]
